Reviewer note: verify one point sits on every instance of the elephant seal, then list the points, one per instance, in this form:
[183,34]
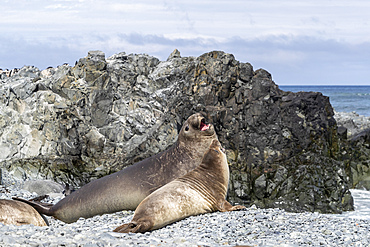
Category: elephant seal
[20,213]
[200,191]
[125,189]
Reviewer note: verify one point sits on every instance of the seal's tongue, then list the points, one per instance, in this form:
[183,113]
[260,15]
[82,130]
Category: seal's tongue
[204,126]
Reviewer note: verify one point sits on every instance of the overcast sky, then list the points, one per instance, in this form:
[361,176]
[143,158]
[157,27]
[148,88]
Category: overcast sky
[299,42]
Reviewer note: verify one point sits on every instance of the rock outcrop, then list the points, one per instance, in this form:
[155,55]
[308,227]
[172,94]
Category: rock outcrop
[74,124]
[355,154]
[354,134]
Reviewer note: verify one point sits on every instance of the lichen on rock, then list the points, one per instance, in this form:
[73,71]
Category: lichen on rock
[75,124]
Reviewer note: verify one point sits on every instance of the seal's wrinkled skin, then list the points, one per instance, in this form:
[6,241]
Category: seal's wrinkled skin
[124,190]
[19,213]
[202,190]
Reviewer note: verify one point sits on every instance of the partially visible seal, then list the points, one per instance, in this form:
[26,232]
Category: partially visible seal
[43,187]
[202,190]
[124,190]
[19,213]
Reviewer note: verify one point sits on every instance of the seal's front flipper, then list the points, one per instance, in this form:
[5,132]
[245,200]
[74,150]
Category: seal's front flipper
[126,228]
[224,206]
[142,226]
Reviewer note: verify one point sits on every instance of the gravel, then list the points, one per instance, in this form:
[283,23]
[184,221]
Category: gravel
[253,226]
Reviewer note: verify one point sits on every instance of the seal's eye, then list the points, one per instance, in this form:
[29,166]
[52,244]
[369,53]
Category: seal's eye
[187,128]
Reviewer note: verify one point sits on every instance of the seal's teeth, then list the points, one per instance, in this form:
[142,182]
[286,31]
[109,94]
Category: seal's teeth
[204,126]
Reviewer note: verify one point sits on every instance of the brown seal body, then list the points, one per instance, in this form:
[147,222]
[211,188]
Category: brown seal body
[200,191]
[124,190]
[19,213]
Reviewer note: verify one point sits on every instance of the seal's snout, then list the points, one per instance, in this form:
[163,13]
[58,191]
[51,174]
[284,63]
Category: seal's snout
[203,125]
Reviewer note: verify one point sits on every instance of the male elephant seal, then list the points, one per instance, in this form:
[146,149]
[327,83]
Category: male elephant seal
[124,190]
[19,213]
[200,191]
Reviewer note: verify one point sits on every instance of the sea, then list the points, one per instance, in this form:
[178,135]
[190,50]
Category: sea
[342,98]
[346,99]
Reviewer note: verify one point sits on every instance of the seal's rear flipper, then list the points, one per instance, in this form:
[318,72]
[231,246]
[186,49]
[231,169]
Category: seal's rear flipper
[39,199]
[42,208]
[224,206]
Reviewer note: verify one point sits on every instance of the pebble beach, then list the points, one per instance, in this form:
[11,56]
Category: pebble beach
[252,227]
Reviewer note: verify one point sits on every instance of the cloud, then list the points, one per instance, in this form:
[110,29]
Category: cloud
[18,52]
[290,59]
[338,20]
[306,60]
[297,41]
[56,6]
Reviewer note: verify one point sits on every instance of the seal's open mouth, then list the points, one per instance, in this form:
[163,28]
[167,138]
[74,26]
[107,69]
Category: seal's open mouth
[203,125]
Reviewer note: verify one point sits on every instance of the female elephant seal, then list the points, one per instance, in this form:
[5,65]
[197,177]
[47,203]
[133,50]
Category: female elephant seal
[19,213]
[202,190]
[124,190]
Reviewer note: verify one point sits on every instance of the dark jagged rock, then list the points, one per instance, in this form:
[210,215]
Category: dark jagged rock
[354,133]
[74,124]
[355,154]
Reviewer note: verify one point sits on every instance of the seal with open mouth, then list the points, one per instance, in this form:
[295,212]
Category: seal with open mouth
[124,190]
[200,191]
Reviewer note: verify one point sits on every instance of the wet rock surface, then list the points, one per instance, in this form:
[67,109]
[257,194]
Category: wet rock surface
[75,124]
